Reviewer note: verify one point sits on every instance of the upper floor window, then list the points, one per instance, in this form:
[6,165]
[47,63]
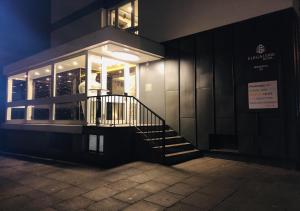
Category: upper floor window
[125,16]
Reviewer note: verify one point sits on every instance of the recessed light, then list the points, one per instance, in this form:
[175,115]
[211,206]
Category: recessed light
[60,67]
[75,63]
[36,73]
[47,71]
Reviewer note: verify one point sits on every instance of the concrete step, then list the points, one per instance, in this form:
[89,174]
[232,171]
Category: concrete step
[179,147]
[168,140]
[158,133]
[178,157]
[153,127]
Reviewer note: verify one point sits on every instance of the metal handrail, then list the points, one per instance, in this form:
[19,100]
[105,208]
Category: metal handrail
[123,110]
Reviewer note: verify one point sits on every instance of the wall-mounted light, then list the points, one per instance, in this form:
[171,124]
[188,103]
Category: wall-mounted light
[125,56]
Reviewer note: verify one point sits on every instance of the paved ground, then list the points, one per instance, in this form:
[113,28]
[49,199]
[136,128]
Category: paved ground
[201,184]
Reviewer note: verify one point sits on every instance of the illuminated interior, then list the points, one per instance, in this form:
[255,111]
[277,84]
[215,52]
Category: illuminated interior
[57,90]
[125,16]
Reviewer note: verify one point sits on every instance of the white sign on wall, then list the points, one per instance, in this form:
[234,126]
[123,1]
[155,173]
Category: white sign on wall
[263,95]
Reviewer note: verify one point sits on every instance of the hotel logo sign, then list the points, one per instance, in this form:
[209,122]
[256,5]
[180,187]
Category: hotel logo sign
[261,60]
[260,49]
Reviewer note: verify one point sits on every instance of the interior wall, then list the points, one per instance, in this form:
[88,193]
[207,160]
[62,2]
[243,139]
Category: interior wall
[180,18]
[152,86]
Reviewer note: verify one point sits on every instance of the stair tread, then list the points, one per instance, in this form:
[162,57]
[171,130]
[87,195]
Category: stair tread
[181,153]
[174,145]
[168,137]
[156,131]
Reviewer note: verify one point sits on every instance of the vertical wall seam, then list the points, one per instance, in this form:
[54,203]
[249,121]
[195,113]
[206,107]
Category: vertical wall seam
[195,88]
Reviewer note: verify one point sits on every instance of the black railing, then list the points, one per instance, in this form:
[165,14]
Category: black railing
[121,110]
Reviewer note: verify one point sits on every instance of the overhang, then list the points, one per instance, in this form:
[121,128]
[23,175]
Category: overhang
[114,38]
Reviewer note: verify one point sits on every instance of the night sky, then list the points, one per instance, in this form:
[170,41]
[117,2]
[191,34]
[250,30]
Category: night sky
[24,30]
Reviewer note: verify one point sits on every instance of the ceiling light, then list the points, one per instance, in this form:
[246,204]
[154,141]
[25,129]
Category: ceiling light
[75,63]
[47,71]
[125,56]
[36,73]
[60,67]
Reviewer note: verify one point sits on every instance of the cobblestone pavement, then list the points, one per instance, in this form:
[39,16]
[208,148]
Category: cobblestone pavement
[201,184]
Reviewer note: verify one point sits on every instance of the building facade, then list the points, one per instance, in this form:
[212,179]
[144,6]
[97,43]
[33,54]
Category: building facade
[187,76]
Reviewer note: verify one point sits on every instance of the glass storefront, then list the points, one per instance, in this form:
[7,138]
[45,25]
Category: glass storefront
[39,112]
[39,83]
[17,87]
[70,76]
[58,91]
[69,111]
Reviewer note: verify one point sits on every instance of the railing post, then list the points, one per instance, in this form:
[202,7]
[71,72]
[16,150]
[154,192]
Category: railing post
[164,139]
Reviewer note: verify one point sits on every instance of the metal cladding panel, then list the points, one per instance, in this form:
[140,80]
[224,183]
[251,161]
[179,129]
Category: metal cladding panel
[152,86]
[188,129]
[187,78]
[172,109]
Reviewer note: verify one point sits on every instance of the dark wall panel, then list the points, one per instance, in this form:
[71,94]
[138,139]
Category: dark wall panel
[187,89]
[214,72]
[204,84]
[187,78]
[172,84]
[224,81]
[268,137]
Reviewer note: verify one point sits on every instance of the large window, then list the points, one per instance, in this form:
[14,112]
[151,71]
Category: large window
[39,83]
[39,112]
[16,113]
[17,87]
[70,76]
[125,16]
[69,111]
[57,91]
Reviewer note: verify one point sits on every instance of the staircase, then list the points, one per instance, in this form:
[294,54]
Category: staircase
[177,148]
[167,145]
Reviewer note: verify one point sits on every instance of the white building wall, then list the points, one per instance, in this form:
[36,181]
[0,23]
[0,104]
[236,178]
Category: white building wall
[163,20]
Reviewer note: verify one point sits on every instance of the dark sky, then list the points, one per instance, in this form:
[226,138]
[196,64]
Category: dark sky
[24,28]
